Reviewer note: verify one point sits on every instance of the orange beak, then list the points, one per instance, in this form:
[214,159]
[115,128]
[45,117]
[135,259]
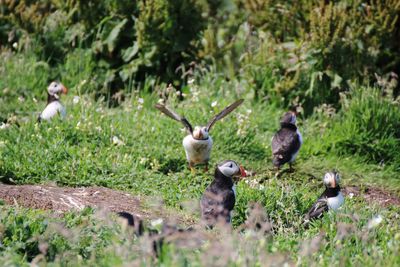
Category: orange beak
[334,183]
[64,90]
[242,171]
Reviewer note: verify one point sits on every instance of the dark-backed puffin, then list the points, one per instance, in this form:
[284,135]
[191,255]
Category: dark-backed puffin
[331,198]
[287,141]
[170,233]
[54,105]
[198,143]
[218,200]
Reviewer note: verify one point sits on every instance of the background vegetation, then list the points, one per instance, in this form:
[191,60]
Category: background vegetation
[335,61]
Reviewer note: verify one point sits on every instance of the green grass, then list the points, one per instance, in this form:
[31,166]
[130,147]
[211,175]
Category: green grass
[150,161]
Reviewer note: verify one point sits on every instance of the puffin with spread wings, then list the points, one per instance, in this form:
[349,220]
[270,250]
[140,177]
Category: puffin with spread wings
[198,143]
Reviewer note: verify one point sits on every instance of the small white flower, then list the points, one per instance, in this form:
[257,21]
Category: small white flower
[143,161]
[213,104]
[21,99]
[190,81]
[153,129]
[76,99]
[15,45]
[4,126]
[375,221]
[116,141]
[141,100]
[261,187]
[351,195]
[156,222]
[160,101]
[34,99]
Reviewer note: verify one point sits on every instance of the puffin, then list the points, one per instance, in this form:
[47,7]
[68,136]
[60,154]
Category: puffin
[170,233]
[219,197]
[286,142]
[54,105]
[198,143]
[331,199]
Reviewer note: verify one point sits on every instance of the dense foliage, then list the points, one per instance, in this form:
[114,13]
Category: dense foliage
[289,49]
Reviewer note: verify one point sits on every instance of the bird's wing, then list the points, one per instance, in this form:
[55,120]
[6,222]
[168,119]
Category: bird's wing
[318,209]
[228,199]
[173,115]
[223,113]
[285,142]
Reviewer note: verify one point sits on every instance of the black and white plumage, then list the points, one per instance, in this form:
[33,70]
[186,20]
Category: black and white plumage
[287,141]
[198,143]
[170,233]
[331,198]
[54,105]
[218,200]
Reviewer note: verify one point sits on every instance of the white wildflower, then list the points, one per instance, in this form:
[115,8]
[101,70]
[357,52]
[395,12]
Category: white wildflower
[34,100]
[116,141]
[15,45]
[213,104]
[143,161]
[190,81]
[21,99]
[76,99]
[141,101]
[157,222]
[4,126]
[351,195]
[375,221]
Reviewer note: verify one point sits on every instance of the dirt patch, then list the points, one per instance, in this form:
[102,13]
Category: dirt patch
[373,194]
[62,199]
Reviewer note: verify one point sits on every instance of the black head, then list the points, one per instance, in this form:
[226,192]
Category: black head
[229,169]
[289,118]
[332,179]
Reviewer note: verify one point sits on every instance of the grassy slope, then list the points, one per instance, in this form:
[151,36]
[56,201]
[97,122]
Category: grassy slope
[80,151]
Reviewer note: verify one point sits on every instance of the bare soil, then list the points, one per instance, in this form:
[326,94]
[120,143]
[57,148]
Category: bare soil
[373,195]
[62,199]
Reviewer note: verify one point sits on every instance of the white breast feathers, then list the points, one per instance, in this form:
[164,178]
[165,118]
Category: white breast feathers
[197,151]
[335,202]
[52,110]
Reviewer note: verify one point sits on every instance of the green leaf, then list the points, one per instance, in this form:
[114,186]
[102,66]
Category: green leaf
[113,36]
[130,52]
[337,80]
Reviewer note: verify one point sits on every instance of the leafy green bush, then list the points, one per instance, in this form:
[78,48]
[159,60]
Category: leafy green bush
[304,52]
[368,126]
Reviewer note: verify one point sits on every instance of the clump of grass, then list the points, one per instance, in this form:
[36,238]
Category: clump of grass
[367,126]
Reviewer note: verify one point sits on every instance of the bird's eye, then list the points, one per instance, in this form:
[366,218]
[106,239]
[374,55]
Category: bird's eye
[55,85]
[230,166]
